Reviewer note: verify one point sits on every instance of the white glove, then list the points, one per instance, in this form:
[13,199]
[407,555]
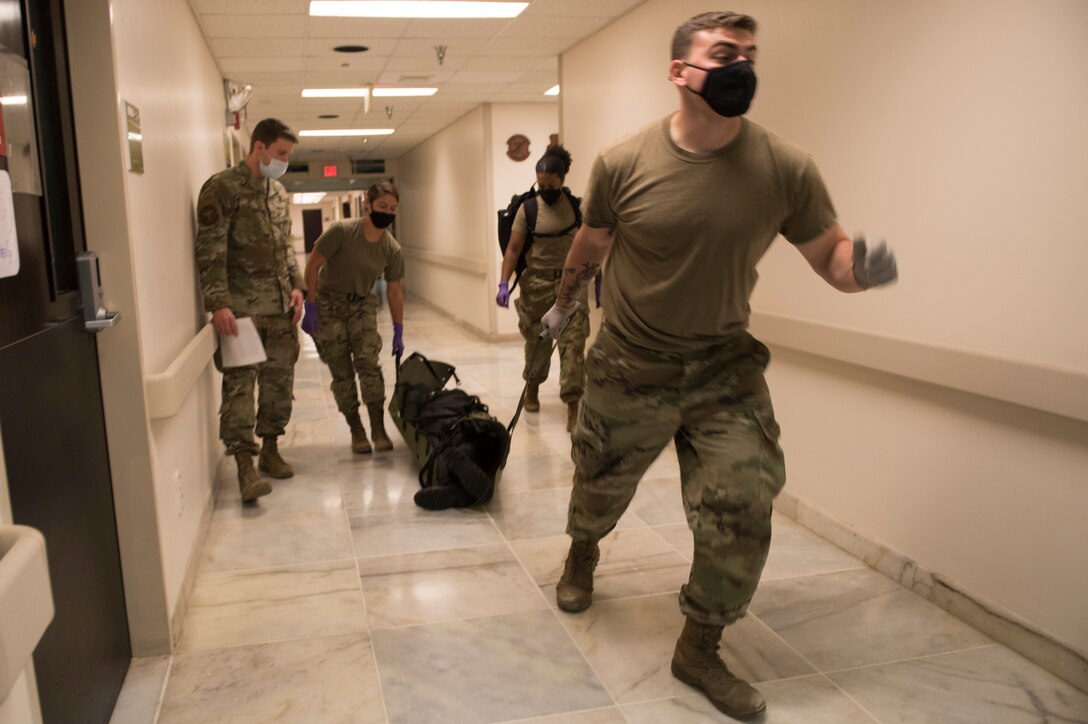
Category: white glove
[873,267]
[556,319]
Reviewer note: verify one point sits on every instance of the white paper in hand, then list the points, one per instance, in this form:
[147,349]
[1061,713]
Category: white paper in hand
[244,349]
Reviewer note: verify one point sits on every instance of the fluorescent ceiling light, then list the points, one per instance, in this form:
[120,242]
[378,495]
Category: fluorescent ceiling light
[361,92]
[349,132]
[312,198]
[414,9]
[13,100]
[553,91]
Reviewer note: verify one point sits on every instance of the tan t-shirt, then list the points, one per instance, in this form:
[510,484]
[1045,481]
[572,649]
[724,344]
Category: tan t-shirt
[689,229]
[353,264]
[548,252]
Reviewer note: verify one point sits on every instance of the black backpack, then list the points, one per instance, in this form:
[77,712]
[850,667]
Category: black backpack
[506,224]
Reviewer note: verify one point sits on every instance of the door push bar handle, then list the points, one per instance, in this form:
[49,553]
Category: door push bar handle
[95,315]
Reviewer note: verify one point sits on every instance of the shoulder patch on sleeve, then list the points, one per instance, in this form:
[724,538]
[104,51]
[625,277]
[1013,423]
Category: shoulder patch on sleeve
[209,214]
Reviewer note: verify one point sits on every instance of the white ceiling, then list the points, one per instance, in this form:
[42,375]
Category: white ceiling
[275,46]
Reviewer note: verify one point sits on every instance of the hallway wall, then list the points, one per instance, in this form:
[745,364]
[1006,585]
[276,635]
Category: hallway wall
[443,187]
[181,107]
[452,186]
[970,163]
[142,227]
[536,121]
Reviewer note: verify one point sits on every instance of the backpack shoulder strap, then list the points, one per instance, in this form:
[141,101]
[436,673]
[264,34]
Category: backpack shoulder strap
[530,214]
[576,204]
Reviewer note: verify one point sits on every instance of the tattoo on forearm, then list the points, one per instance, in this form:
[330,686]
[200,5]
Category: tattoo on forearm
[575,280]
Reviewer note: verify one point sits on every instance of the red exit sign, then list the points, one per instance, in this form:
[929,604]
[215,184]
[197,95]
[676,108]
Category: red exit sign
[330,171]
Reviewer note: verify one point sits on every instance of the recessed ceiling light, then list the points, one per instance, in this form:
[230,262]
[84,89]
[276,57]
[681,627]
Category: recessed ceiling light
[13,100]
[310,198]
[349,132]
[553,91]
[361,92]
[414,9]
[351,48]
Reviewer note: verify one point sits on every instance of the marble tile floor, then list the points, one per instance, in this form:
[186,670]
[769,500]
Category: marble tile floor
[336,599]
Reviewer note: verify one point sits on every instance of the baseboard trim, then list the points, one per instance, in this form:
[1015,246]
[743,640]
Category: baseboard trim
[181,607]
[1003,626]
[463,324]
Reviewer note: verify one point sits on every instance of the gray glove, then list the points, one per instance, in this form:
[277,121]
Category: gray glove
[556,319]
[873,267]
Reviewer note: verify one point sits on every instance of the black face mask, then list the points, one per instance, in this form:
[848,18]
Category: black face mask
[381,219]
[728,90]
[550,196]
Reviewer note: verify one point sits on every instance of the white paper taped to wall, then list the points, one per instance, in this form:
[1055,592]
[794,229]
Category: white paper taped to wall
[243,349]
[9,238]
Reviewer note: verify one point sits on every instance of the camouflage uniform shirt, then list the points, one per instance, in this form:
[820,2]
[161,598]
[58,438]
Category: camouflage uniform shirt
[243,244]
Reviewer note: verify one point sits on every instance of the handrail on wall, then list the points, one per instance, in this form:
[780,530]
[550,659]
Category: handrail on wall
[469,266]
[167,390]
[1058,390]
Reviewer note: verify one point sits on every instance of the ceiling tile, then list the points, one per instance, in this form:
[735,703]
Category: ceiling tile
[526,46]
[340,78]
[598,8]
[550,27]
[279,49]
[487,76]
[252,7]
[522,63]
[255,47]
[235,66]
[477,28]
[361,30]
[253,26]
[342,64]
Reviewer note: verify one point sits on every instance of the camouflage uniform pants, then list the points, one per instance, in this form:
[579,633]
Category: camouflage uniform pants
[275,380]
[714,404]
[539,291]
[348,342]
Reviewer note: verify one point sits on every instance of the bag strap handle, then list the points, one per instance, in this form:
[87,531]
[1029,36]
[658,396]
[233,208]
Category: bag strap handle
[540,345]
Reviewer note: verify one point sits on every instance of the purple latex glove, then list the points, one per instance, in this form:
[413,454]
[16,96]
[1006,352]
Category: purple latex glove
[503,297]
[597,290]
[398,339]
[310,319]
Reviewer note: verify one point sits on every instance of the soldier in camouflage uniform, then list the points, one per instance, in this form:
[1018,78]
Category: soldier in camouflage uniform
[342,310]
[551,239]
[683,210]
[248,269]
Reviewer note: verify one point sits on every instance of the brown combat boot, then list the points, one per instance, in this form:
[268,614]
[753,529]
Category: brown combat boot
[359,444]
[532,401]
[269,461]
[572,415]
[250,484]
[696,662]
[377,427]
[574,592]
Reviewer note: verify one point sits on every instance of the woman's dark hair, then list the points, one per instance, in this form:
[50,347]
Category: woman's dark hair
[555,160]
[381,189]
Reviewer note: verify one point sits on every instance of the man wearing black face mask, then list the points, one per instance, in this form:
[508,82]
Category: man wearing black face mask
[684,209]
